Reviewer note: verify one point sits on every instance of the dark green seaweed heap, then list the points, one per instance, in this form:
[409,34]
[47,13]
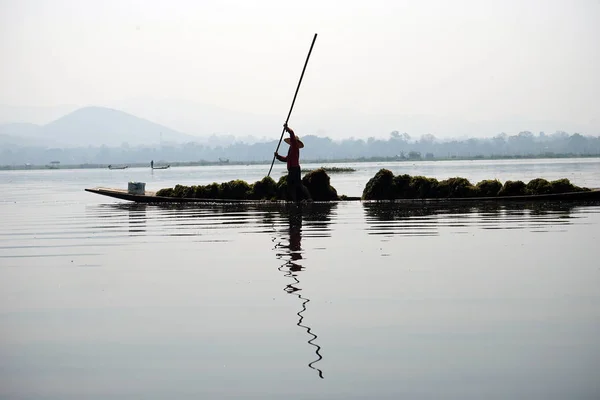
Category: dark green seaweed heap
[317,183]
[385,186]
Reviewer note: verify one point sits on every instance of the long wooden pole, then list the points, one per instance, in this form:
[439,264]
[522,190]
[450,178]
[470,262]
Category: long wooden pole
[293,101]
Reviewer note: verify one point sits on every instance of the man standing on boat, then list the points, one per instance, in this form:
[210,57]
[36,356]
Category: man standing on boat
[294,179]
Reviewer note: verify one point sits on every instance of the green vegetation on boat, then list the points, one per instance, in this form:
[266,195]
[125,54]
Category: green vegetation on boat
[385,186]
[317,183]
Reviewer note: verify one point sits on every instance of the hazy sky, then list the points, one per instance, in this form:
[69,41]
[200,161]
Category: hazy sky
[469,60]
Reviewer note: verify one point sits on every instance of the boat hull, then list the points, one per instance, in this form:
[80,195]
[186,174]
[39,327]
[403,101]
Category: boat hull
[151,197]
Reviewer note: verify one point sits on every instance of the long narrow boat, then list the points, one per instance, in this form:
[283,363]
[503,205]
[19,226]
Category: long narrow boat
[162,167]
[151,197]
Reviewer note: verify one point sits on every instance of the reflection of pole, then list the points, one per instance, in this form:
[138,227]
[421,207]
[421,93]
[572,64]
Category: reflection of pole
[291,289]
[290,268]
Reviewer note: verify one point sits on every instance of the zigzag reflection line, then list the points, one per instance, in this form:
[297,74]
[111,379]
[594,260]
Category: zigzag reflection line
[308,330]
[291,289]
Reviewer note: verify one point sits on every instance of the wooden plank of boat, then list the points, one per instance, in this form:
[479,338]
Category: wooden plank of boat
[151,197]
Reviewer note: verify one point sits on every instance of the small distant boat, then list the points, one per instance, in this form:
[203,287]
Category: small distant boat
[53,165]
[162,167]
[118,166]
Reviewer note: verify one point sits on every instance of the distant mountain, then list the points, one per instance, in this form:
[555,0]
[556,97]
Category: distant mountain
[98,125]
[214,126]
[94,126]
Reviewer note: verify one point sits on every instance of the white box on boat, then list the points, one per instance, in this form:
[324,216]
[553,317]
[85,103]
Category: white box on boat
[136,188]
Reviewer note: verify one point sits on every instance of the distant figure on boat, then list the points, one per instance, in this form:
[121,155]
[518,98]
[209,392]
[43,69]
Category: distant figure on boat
[160,167]
[294,179]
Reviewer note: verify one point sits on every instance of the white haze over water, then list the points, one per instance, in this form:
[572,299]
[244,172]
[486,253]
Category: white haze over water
[449,68]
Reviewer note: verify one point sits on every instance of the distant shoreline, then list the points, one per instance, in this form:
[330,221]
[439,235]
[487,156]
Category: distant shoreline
[309,161]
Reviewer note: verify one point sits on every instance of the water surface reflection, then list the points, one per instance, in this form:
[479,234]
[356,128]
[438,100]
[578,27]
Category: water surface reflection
[137,218]
[429,219]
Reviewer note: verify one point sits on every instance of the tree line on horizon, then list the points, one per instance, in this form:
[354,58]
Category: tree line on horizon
[397,146]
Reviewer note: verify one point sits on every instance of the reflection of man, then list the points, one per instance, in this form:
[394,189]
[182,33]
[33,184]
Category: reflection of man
[295,231]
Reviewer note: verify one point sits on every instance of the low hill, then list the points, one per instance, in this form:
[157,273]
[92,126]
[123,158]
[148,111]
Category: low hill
[93,126]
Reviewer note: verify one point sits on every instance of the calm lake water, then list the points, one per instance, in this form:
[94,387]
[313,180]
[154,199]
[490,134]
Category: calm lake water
[102,299]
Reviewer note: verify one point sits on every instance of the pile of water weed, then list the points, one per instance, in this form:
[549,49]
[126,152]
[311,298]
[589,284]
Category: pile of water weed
[385,186]
[317,182]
